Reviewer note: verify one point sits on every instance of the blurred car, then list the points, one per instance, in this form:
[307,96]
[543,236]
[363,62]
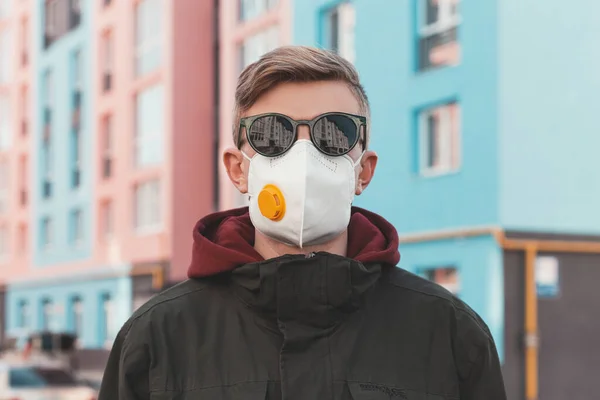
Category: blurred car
[38,382]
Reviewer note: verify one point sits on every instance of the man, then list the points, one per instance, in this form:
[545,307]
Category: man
[298,296]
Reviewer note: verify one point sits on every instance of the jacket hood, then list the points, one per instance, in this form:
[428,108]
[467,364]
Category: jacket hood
[224,241]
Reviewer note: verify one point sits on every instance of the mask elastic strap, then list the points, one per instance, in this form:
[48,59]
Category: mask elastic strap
[246,156]
[357,162]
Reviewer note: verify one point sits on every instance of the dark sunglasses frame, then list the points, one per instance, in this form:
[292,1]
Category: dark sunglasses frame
[247,122]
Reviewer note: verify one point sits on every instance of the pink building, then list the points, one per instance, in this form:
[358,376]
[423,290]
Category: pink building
[113,105]
[247,29]
[15,89]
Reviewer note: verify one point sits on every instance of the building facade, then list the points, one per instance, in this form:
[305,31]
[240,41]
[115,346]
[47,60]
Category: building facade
[247,29]
[482,114]
[121,143]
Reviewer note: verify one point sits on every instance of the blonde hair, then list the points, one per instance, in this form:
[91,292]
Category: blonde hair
[294,64]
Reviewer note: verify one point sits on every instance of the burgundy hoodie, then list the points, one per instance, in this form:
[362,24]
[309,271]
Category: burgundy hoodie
[225,240]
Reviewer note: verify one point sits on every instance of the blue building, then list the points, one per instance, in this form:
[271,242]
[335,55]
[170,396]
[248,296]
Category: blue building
[484,116]
[91,303]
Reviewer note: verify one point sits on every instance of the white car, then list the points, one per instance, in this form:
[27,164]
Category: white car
[39,382]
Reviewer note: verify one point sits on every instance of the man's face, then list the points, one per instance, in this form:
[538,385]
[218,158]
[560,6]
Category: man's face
[302,101]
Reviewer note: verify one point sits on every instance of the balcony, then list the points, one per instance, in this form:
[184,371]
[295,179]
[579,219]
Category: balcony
[60,18]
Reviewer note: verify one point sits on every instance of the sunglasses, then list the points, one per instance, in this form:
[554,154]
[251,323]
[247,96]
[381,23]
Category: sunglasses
[333,134]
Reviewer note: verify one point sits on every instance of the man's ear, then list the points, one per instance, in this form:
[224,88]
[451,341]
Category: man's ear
[367,170]
[233,160]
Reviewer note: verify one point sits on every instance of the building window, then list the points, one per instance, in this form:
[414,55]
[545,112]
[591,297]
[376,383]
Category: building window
[4,186]
[76,159]
[46,323]
[438,41]
[60,17]
[47,135]
[341,21]
[249,9]
[107,144]
[148,36]
[4,245]
[24,111]
[76,320]
[6,53]
[23,195]
[76,227]
[22,243]
[46,233]
[149,127]
[108,55]
[23,314]
[147,210]
[439,139]
[255,46]
[107,320]
[447,277]
[106,3]
[107,220]
[24,42]
[5,123]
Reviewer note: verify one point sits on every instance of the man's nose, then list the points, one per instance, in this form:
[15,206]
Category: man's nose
[303,132]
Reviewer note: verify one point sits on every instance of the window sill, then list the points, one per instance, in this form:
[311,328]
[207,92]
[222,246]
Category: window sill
[148,230]
[437,173]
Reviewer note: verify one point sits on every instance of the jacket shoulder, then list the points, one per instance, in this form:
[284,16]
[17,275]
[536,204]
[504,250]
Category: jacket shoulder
[165,303]
[420,288]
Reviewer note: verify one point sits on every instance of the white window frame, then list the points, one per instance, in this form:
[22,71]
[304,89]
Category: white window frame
[148,207]
[144,45]
[142,139]
[24,314]
[77,310]
[447,19]
[346,15]
[48,314]
[251,9]
[259,44]
[449,140]
[108,305]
